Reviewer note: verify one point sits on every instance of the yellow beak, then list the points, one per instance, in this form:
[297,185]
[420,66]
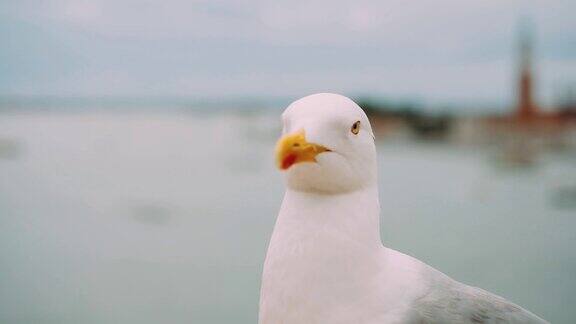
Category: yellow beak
[294,148]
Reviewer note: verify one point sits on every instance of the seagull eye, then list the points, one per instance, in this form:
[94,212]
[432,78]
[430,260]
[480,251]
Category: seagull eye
[355,128]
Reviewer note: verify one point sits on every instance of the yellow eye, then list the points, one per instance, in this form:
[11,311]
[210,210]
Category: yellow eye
[355,128]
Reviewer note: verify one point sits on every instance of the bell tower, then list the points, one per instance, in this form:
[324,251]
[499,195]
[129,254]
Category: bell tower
[526,108]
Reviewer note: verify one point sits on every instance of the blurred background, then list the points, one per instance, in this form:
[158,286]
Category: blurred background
[137,182]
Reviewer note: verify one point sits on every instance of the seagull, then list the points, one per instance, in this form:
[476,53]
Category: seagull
[325,261]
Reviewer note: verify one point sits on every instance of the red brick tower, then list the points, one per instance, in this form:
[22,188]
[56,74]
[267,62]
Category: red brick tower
[526,108]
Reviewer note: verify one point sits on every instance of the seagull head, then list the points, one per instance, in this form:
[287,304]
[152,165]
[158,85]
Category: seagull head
[327,145]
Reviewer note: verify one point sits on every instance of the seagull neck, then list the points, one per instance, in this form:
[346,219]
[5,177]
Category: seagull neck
[354,215]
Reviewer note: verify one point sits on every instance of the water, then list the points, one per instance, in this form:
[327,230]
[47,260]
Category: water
[164,218]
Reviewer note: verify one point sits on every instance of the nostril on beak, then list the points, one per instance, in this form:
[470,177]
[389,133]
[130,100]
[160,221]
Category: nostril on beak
[296,145]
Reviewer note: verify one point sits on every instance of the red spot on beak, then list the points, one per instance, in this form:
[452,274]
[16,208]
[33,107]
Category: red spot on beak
[288,161]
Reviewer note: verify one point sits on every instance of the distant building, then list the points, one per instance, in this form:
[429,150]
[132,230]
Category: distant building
[527,129]
[527,112]
[526,108]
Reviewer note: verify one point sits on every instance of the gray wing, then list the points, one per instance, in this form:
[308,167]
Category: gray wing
[453,302]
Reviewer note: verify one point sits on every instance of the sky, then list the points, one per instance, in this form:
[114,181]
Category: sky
[434,52]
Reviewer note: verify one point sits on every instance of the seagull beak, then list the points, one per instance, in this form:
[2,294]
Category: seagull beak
[294,148]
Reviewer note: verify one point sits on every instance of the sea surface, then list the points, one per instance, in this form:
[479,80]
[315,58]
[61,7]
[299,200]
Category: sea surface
[164,217]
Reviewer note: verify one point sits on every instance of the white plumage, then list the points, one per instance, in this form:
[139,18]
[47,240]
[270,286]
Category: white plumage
[325,262]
